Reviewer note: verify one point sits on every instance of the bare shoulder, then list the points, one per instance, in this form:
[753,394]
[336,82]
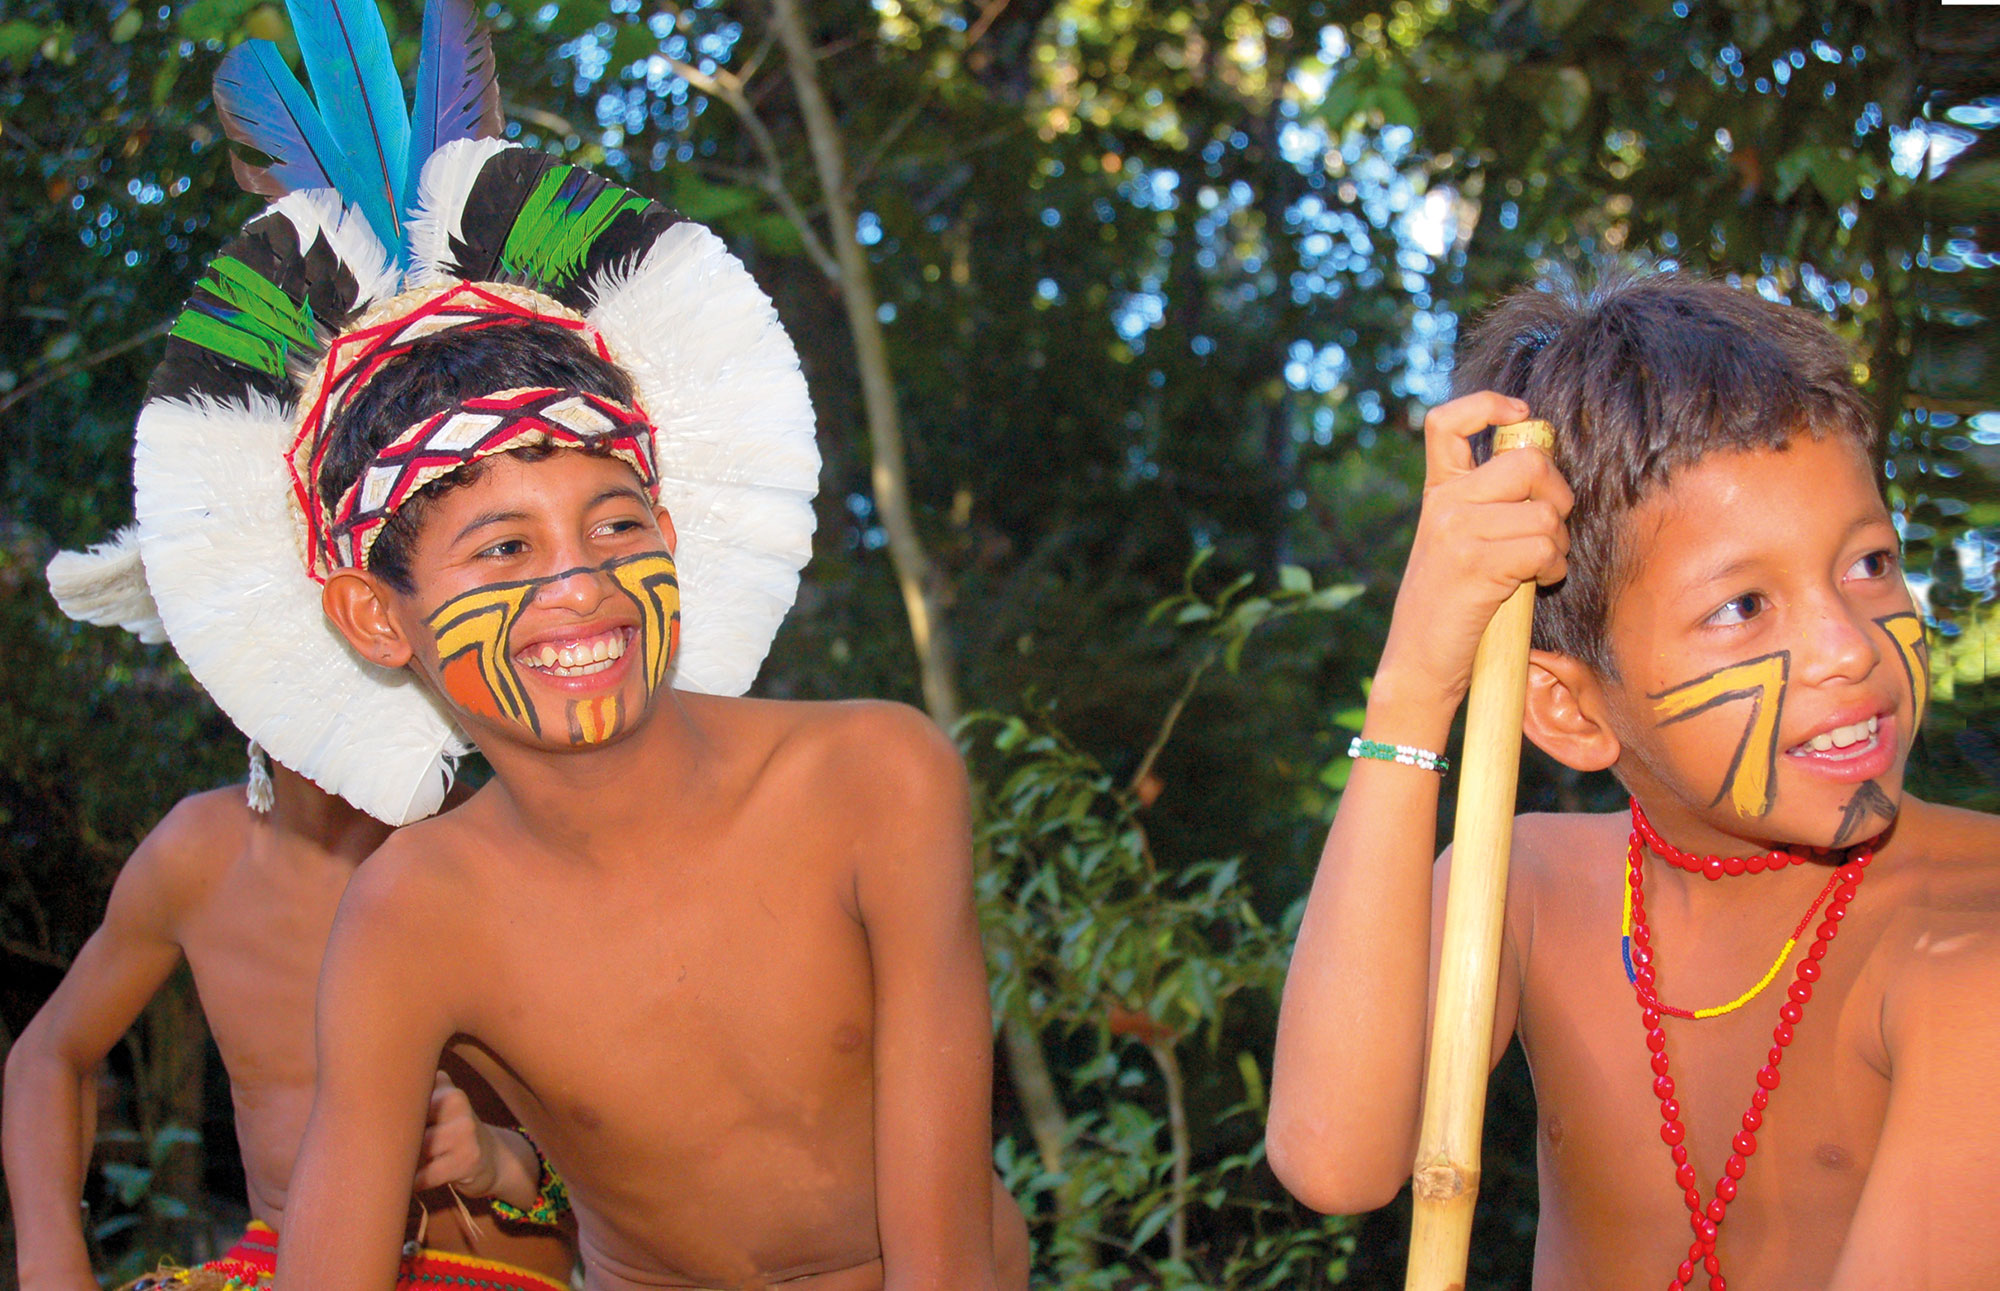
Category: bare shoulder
[1558,849]
[415,875]
[1940,951]
[865,751]
[186,854]
[1949,842]
[1942,867]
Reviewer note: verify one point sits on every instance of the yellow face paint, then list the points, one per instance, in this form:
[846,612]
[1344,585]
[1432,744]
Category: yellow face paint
[1913,649]
[593,721]
[654,586]
[476,664]
[477,672]
[1752,769]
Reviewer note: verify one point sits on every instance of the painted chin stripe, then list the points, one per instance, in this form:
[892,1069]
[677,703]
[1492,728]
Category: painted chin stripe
[1748,784]
[592,721]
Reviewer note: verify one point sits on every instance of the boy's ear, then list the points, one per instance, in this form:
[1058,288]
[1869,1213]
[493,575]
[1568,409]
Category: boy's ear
[358,605]
[667,528]
[1567,717]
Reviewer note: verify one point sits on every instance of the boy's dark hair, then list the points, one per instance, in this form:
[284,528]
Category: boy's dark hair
[1643,376]
[433,374]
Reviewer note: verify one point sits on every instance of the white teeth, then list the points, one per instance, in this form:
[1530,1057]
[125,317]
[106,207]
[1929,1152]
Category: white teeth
[1841,737]
[582,670]
[577,659]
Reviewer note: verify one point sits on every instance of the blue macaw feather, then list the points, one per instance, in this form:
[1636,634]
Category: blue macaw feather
[360,98]
[263,106]
[458,91]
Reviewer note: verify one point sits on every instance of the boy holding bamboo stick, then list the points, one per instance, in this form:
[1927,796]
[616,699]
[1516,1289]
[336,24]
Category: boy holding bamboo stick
[1725,627]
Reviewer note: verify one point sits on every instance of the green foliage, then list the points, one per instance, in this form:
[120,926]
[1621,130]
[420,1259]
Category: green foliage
[144,1219]
[1133,966]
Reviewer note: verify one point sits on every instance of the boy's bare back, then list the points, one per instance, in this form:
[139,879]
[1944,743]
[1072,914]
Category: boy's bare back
[1906,993]
[689,1022]
[248,899]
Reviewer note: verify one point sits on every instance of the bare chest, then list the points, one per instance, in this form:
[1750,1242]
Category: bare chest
[1613,1196]
[682,1004]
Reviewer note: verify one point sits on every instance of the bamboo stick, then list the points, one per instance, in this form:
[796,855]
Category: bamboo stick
[1446,1176]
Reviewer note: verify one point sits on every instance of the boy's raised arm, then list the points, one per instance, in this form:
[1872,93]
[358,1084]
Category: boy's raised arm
[933,1022]
[1346,1087]
[379,1036]
[51,1102]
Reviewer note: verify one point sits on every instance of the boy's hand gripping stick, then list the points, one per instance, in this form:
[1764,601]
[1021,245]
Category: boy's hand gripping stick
[1446,1176]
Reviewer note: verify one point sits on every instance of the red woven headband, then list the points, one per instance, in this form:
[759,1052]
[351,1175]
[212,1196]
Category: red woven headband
[342,535]
[474,428]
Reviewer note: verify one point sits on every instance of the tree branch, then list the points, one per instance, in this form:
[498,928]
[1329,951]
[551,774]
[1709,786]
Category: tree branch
[729,89]
[88,361]
[889,476]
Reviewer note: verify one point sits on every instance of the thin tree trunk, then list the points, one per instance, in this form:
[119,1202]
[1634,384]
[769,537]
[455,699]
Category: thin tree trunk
[915,577]
[171,1087]
[1183,1144]
[889,476]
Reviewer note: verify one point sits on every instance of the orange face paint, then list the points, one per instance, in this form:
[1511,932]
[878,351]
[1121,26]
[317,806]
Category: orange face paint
[476,660]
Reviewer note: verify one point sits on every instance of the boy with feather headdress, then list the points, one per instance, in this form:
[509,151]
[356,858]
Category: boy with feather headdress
[457,440]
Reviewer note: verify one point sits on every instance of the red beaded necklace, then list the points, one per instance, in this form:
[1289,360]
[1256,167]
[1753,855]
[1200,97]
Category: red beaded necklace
[1709,867]
[1704,1219]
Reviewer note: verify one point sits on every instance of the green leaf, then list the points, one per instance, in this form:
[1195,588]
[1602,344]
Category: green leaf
[1295,578]
[1150,1226]
[573,18]
[777,234]
[1565,96]
[709,203]
[635,43]
[212,19]
[18,42]
[1334,596]
[128,1182]
[171,1137]
[127,26]
[1253,1079]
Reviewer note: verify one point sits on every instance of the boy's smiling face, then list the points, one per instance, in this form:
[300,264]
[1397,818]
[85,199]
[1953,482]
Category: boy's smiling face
[1771,666]
[545,607]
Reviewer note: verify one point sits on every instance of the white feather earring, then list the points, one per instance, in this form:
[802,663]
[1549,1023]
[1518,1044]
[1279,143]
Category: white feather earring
[261,792]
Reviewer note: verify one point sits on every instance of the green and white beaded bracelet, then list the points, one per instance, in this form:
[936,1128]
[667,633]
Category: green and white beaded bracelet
[1406,754]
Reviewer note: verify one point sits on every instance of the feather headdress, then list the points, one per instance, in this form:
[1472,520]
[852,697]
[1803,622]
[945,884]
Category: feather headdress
[372,204]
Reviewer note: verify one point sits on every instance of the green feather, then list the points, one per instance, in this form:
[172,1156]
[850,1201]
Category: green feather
[550,238]
[257,296]
[231,342]
[257,325]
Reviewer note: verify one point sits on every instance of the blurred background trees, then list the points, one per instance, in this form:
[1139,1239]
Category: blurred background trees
[1083,288]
